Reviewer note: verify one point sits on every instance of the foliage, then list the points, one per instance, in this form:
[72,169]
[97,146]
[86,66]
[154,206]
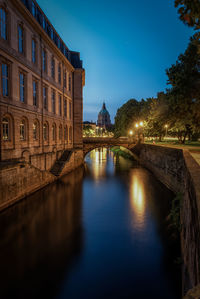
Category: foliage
[127,115]
[189,12]
[184,95]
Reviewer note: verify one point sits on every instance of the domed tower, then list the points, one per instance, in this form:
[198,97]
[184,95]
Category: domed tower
[104,117]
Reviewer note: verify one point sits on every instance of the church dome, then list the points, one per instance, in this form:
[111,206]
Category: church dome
[104,117]
[104,111]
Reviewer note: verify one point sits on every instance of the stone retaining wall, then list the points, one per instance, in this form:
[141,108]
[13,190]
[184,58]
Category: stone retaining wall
[21,178]
[179,172]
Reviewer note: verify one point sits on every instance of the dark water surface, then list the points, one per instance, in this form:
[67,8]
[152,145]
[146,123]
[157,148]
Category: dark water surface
[98,234]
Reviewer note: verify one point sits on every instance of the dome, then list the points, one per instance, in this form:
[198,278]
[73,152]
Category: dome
[104,111]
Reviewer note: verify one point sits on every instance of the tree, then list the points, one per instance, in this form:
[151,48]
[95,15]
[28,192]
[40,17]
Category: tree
[184,95]
[127,115]
[189,11]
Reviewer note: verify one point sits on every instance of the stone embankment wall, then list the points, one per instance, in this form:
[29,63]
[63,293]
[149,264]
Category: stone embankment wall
[21,178]
[179,172]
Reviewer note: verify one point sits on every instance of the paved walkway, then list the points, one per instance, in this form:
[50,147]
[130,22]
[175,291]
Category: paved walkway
[194,150]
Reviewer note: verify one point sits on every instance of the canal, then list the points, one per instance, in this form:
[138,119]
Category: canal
[99,232]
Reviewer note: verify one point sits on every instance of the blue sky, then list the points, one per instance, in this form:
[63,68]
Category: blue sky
[125,46]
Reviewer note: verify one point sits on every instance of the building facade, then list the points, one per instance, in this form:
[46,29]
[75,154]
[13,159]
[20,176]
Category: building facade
[104,118]
[41,100]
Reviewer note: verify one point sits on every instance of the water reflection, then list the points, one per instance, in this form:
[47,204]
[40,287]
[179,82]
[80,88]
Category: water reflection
[137,197]
[100,163]
[98,237]
[40,237]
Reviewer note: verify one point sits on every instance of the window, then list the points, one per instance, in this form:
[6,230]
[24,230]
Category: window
[44,23]
[35,131]
[44,61]
[5,90]
[54,132]
[53,101]
[52,67]
[33,9]
[45,97]
[66,133]
[70,134]
[60,105]
[22,87]
[33,51]
[34,93]
[65,108]
[45,132]
[6,133]
[3,23]
[70,110]
[20,39]
[69,83]
[60,132]
[22,130]
[65,79]
[59,73]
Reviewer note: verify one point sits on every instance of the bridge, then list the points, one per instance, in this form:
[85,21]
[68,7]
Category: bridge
[90,143]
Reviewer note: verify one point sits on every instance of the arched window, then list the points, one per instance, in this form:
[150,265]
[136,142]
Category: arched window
[66,133]
[54,132]
[60,132]
[35,131]
[45,131]
[23,130]
[70,134]
[6,129]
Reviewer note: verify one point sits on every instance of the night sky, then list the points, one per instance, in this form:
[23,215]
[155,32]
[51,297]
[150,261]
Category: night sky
[125,46]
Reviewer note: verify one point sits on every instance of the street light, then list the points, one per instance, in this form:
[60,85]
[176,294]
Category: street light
[136,125]
[141,124]
[166,127]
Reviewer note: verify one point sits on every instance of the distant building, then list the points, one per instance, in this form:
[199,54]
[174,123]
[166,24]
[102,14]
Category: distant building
[104,118]
[89,124]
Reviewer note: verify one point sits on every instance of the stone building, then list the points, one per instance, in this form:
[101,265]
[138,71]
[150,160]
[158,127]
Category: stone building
[104,118]
[41,87]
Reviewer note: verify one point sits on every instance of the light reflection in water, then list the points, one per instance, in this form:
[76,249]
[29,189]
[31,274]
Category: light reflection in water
[137,198]
[98,162]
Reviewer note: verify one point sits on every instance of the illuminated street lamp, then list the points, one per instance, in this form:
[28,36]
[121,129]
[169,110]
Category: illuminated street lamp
[166,127]
[141,124]
[136,125]
[130,132]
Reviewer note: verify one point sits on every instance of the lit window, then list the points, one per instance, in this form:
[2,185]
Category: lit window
[22,130]
[5,81]
[45,97]
[45,132]
[53,101]
[34,93]
[22,87]
[3,23]
[20,39]
[5,124]
[35,130]
[33,51]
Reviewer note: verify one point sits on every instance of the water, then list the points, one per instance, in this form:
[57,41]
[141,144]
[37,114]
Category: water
[99,233]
